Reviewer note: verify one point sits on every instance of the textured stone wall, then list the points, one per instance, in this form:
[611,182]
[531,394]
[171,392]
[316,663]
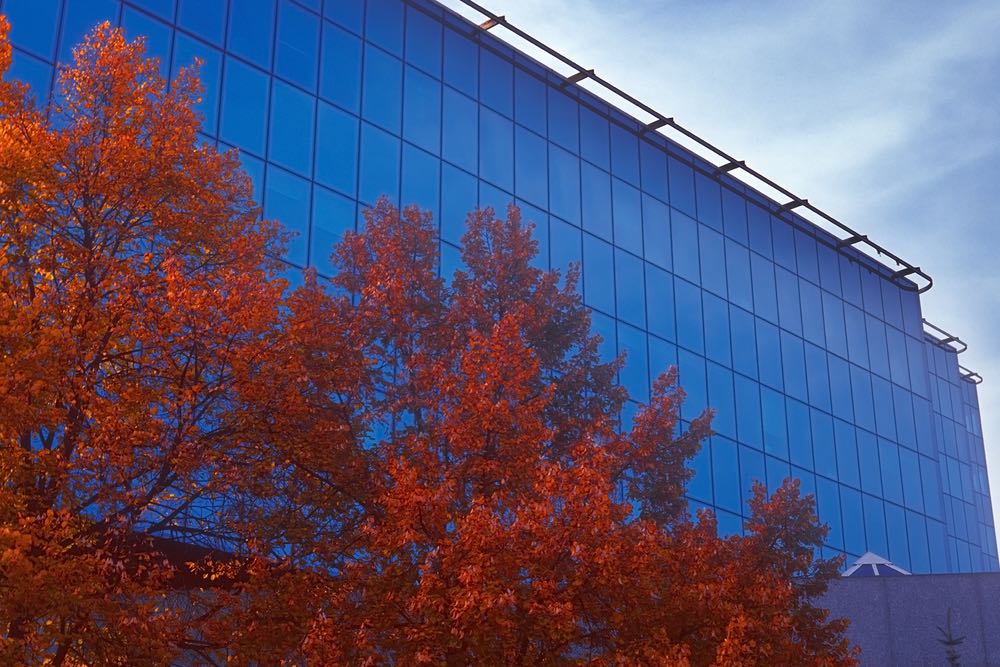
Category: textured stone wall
[895,619]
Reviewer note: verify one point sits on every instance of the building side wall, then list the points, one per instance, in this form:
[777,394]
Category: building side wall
[814,362]
[896,620]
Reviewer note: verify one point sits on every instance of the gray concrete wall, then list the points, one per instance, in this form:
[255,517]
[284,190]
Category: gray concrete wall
[895,619]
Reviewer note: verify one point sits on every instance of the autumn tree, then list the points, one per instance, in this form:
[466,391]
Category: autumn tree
[389,467]
[135,285]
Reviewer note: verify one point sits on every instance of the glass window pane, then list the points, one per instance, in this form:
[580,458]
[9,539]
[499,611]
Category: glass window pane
[734,216]
[422,111]
[793,366]
[833,324]
[739,286]
[916,528]
[690,332]
[751,471]
[653,168]
[813,328]
[337,149]
[898,367]
[726,473]
[627,216]
[564,184]
[885,417]
[33,25]
[348,14]
[717,346]
[829,270]
[565,246]
[205,18]
[805,257]
[79,18]
[656,231]
[774,421]
[892,484]
[250,31]
[383,90]
[871,290]
[634,376]
[931,488]
[379,165]
[909,467]
[857,339]
[817,377]
[596,211]
[878,353]
[624,154]
[461,63]
[828,506]
[33,72]
[384,24]
[769,354]
[421,185]
[765,302]
[244,102]
[529,101]
[691,376]
[759,229]
[340,68]
[563,119]
[660,302]
[799,434]
[721,399]
[744,341]
[681,178]
[497,91]
[604,326]
[291,128]
[854,527]
[629,287]
[185,51]
[713,260]
[778,471]
[840,387]
[459,196]
[333,215]
[598,264]
[895,525]
[861,388]
[824,449]
[875,526]
[287,200]
[460,144]
[158,36]
[847,453]
[869,459]
[662,356]
[594,141]
[298,44]
[789,314]
[531,167]
[700,485]
[685,245]
[423,41]
[496,149]
[709,197]
[748,413]
[783,243]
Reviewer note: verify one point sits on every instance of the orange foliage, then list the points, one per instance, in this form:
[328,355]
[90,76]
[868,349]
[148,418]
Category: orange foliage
[386,469]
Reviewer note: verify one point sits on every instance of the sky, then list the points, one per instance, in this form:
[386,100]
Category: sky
[885,114]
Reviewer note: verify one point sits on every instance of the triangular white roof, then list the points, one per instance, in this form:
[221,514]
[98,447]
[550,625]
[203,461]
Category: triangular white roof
[873,565]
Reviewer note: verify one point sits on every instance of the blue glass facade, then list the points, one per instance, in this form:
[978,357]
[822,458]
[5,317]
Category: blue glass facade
[816,362]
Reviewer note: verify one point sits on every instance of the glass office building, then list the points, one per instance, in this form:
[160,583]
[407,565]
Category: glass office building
[814,355]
